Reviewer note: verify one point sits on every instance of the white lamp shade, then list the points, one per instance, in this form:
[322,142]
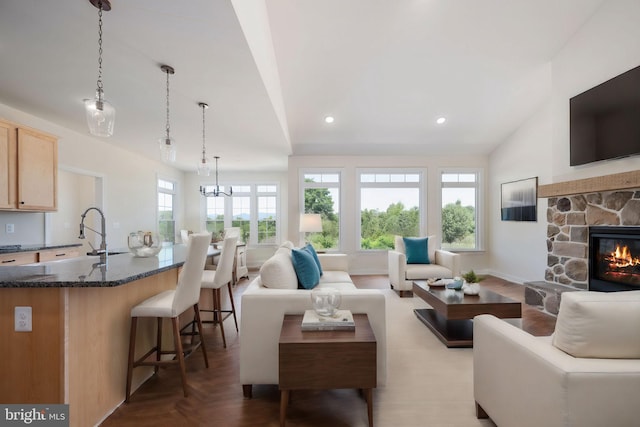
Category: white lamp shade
[310,223]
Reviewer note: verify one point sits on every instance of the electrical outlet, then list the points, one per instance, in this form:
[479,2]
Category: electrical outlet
[8,228]
[23,319]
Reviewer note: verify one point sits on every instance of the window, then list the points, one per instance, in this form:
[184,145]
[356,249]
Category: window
[267,213]
[241,211]
[214,222]
[460,195]
[321,195]
[253,208]
[389,206]
[166,219]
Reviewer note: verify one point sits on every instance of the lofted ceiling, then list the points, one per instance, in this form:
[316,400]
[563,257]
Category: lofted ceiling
[271,70]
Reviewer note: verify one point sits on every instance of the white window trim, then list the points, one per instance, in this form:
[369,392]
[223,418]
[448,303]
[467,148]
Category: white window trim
[253,208]
[480,200]
[302,185]
[421,184]
[176,201]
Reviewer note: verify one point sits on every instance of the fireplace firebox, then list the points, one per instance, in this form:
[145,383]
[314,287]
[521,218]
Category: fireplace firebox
[614,258]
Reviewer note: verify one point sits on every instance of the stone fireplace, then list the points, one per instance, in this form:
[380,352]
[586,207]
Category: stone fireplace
[568,221]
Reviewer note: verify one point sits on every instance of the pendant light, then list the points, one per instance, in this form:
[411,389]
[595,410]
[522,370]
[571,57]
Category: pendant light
[203,166]
[167,144]
[216,191]
[100,114]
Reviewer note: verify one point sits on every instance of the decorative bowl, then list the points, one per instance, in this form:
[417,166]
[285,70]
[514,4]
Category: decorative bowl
[456,284]
[144,244]
[325,301]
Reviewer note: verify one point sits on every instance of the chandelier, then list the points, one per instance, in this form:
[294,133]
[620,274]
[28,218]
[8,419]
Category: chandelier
[99,113]
[216,191]
[167,144]
[203,167]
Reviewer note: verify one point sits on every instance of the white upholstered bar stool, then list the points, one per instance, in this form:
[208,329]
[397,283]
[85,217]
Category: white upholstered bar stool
[171,304]
[216,279]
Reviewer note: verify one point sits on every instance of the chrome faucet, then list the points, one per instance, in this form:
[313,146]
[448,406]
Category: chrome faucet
[103,245]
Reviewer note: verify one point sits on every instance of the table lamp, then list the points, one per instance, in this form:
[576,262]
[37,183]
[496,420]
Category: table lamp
[310,223]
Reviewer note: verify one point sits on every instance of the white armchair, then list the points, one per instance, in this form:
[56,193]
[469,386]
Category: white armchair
[444,264]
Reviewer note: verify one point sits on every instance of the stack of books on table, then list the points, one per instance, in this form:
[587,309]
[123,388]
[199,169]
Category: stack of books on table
[341,321]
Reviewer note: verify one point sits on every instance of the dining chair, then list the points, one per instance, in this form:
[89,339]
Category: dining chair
[171,304]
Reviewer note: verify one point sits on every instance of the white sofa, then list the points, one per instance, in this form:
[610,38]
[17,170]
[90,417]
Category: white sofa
[263,309]
[444,265]
[586,374]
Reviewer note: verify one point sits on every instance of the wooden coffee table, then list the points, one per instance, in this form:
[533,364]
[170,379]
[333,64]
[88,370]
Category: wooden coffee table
[327,359]
[450,317]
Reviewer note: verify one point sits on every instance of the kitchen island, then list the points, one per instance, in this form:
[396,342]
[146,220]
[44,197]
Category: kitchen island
[77,350]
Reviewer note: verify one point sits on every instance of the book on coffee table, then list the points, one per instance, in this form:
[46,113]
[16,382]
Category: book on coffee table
[341,321]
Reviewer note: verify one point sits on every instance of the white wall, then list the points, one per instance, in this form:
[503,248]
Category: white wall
[518,249]
[375,262]
[130,181]
[607,45]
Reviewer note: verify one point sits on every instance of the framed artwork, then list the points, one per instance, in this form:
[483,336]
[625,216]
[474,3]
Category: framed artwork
[519,200]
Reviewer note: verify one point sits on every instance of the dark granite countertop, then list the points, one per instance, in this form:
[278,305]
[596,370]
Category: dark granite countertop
[33,248]
[83,271]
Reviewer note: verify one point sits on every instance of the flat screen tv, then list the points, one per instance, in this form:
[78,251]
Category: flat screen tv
[605,120]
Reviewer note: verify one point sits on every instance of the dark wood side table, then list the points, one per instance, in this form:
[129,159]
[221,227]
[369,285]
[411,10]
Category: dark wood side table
[327,359]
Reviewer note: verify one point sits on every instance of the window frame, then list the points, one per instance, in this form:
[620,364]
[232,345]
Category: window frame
[253,195]
[339,185]
[479,200]
[421,185]
[175,195]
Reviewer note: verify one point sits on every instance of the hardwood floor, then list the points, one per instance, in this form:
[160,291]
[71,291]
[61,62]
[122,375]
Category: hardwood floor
[216,394]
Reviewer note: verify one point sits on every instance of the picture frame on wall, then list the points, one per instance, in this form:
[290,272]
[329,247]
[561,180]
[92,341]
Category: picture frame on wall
[519,201]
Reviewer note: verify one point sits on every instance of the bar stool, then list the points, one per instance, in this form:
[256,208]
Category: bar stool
[216,279]
[171,304]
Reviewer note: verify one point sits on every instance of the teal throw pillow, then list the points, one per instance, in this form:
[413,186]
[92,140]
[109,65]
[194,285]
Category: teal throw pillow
[417,250]
[309,248]
[306,268]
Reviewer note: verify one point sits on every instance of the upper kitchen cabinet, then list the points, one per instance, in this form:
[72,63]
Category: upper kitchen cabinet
[29,173]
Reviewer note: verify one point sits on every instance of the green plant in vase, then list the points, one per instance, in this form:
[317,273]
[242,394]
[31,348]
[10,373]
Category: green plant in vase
[471,277]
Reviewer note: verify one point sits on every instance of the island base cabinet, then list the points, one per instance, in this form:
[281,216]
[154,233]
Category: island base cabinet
[83,363]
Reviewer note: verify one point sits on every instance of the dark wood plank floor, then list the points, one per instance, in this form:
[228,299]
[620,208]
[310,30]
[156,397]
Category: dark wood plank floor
[216,394]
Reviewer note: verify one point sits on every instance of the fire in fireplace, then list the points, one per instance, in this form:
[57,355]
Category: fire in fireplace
[614,258]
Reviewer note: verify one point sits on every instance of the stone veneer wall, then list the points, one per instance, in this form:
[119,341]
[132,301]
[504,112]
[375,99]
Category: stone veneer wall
[568,221]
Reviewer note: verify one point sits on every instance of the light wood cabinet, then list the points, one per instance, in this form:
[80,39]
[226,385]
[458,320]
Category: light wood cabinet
[18,258]
[57,254]
[29,174]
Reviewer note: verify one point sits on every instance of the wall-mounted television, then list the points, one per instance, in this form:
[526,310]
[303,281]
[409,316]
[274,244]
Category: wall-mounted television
[605,120]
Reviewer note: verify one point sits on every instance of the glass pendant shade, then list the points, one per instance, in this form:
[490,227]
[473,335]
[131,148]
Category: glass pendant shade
[101,115]
[167,149]
[204,168]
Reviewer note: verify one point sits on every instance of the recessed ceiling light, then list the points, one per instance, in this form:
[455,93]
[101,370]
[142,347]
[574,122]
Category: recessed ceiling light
[329,119]
[441,120]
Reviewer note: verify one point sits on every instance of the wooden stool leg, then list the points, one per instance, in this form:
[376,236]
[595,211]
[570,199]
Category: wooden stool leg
[158,344]
[132,349]
[218,310]
[196,310]
[233,305]
[179,353]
